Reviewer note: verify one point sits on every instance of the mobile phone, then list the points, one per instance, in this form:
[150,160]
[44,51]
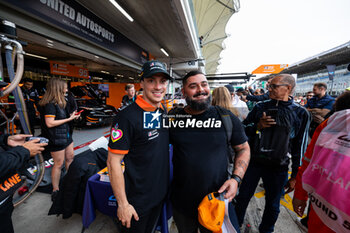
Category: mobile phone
[42,139]
[272,112]
[79,112]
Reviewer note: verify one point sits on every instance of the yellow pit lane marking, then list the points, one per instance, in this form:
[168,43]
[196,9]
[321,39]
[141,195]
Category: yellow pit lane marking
[286,202]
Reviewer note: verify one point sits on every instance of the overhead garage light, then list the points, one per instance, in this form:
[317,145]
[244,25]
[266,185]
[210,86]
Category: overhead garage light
[163,50]
[37,56]
[105,72]
[120,75]
[122,10]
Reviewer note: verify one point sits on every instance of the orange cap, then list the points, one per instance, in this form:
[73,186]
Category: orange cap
[211,212]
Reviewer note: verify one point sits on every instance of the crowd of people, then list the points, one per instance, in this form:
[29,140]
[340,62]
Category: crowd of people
[223,142]
[268,134]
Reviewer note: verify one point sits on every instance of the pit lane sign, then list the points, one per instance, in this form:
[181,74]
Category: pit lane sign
[270,69]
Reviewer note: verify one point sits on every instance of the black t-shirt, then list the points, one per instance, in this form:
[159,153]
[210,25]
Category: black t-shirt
[31,98]
[50,110]
[146,156]
[126,101]
[200,158]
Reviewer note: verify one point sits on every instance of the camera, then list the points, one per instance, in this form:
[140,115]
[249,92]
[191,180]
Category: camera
[42,139]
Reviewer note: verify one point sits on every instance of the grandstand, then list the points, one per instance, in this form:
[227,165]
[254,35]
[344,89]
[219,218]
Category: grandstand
[313,69]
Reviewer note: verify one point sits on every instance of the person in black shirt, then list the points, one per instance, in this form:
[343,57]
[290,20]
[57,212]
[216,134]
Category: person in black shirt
[55,117]
[136,138]
[12,159]
[101,97]
[31,98]
[71,107]
[130,96]
[201,153]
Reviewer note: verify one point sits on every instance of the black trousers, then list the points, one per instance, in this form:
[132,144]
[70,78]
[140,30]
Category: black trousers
[6,210]
[186,224]
[146,224]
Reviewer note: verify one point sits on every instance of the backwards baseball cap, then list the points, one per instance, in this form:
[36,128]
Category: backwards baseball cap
[211,212]
[154,67]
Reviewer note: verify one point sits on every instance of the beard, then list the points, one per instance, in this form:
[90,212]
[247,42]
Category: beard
[199,105]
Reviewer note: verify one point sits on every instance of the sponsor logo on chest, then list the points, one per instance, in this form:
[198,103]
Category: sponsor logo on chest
[152,134]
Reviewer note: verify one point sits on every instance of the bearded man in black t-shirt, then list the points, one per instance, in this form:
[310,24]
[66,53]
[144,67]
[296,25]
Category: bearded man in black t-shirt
[200,156]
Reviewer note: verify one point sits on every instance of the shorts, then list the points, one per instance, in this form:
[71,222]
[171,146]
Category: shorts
[54,148]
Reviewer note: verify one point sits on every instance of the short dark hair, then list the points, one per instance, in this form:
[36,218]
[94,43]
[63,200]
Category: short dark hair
[342,102]
[129,86]
[190,74]
[27,80]
[319,85]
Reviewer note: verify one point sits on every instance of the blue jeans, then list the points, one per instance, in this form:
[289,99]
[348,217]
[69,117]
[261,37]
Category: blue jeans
[273,183]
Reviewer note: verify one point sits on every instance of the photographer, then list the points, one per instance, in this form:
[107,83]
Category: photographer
[11,159]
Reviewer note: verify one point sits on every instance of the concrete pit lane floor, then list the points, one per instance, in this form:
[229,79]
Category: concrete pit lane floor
[31,216]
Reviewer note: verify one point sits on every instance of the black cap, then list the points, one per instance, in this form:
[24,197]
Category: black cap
[240,89]
[154,67]
[230,88]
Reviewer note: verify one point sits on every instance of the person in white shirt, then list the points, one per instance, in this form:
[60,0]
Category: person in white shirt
[238,103]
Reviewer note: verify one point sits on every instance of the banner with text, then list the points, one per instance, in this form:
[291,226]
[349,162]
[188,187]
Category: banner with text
[270,69]
[74,18]
[60,68]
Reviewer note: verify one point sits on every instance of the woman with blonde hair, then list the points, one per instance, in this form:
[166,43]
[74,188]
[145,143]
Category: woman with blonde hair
[55,127]
[222,97]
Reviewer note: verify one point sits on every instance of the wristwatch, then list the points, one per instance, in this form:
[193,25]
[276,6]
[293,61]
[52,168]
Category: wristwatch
[237,178]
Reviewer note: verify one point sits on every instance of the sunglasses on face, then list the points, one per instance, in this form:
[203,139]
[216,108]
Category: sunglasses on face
[274,86]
